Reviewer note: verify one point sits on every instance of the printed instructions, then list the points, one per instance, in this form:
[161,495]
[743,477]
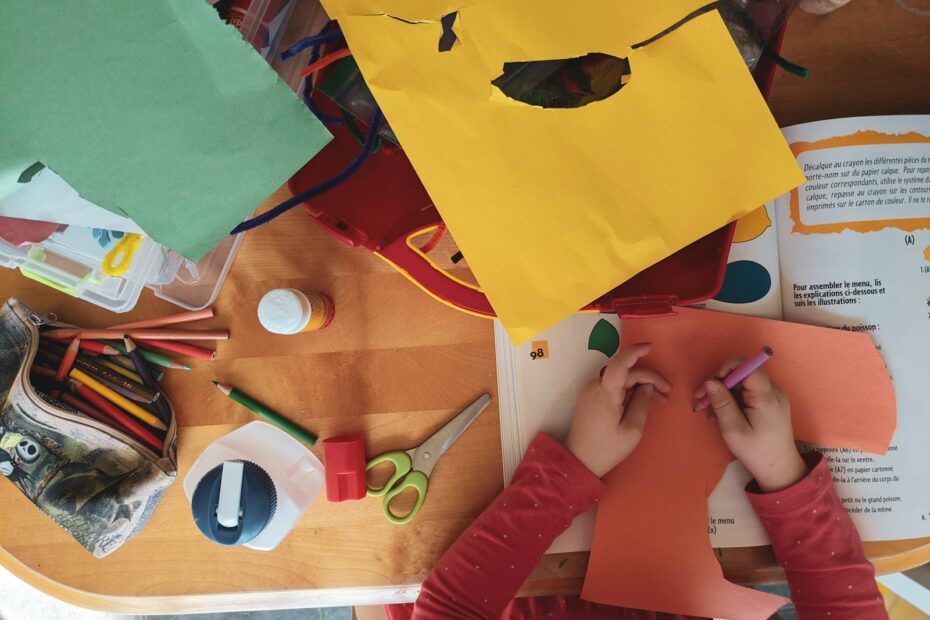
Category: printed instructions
[872,279]
[861,475]
[863,183]
[836,293]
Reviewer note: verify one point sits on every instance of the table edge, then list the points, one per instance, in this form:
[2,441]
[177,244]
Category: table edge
[210,603]
[350,596]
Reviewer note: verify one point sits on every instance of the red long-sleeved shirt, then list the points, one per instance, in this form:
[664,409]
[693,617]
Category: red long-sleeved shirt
[481,572]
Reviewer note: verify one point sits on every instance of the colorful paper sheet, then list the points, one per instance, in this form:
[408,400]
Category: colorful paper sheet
[48,198]
[554,207]
[654,515]
[157,111]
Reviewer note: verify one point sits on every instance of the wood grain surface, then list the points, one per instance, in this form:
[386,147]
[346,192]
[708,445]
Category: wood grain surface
[394,365]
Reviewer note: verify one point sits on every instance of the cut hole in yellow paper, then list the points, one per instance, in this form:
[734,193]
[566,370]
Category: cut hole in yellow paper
[565,83]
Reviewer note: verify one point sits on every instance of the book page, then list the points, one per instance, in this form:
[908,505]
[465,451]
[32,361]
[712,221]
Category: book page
[751,284]
[539,382]
[855,254]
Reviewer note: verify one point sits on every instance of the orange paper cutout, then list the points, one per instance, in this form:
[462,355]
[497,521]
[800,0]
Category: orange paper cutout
[651,548]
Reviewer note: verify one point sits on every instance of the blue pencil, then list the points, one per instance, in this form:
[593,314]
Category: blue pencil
[143,369]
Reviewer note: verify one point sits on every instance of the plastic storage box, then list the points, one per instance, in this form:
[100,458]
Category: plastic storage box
[69,261]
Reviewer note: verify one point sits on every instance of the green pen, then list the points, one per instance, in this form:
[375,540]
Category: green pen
[264,412]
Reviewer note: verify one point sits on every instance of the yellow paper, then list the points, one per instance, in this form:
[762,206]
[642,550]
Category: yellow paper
[554,207]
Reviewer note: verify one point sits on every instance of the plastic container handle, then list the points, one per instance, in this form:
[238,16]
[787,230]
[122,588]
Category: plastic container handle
[434,280]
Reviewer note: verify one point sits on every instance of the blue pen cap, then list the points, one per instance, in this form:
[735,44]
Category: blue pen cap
[234,502]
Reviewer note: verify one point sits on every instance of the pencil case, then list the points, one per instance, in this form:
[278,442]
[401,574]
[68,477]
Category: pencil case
[98,483]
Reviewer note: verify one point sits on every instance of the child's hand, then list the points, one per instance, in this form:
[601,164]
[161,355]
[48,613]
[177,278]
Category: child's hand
[604,431]
[755,423]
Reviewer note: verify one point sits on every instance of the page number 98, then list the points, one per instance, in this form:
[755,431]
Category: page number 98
[539,350]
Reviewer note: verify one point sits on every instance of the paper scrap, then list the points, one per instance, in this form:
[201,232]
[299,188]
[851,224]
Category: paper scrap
[49,198]
[654,515]
[554,207]
[17,231]
[156,111]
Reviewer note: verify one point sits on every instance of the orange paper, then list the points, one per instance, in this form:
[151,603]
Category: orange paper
[651,548]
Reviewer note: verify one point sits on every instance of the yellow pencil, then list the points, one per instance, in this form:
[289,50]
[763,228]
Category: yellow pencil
[117,399]
[123,371]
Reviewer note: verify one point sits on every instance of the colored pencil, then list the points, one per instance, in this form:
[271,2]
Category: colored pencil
[181,348]
[740,372]
[136,356]
[113,380]
[123,421]
[114,349]
[43,371]
[151,357]
[129,374]
[67,360]
[141,392]
[88,345]
[141,334]
[86,408]
[174,319]
[275,418]
[118,383]
[118,399]
[98,366]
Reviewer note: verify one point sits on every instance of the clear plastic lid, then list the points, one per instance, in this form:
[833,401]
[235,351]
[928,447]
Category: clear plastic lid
[70,261]
[196,285]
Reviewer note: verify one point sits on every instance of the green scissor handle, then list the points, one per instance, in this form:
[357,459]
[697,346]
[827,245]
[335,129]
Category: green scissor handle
[402,479]
[402,466]
[414,480]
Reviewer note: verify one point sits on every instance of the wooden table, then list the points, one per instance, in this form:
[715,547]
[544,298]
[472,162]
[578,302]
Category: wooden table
[394,365]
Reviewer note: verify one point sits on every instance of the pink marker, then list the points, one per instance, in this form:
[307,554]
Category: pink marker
[740,372]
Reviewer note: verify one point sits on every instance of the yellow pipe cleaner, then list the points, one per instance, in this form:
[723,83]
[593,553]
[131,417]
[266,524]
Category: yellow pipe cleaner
[123,252]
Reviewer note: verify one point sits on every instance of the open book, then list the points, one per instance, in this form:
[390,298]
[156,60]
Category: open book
[850,249]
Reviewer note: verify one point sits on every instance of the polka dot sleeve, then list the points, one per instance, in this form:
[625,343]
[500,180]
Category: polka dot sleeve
[817,544]
[483,569]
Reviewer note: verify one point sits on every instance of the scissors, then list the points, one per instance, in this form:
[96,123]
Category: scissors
[413,467]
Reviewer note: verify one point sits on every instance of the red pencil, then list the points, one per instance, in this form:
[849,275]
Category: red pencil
[86,408]
[67,360]
[118,417]
[182,348]
[88,345]
[174,319]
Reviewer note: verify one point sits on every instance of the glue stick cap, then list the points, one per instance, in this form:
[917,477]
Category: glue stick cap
[289,311]
[344,464]
[284,311]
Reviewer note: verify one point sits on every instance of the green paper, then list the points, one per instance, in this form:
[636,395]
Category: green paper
[154,110]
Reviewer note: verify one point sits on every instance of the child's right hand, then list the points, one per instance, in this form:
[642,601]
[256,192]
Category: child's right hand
[755,423]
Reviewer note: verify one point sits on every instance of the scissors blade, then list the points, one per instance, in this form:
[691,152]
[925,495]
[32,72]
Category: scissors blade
[429,452]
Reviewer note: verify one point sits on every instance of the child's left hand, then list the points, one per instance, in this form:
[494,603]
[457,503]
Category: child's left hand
[604,431]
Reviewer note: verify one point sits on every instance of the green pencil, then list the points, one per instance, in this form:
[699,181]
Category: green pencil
[150,356]
[275,418]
